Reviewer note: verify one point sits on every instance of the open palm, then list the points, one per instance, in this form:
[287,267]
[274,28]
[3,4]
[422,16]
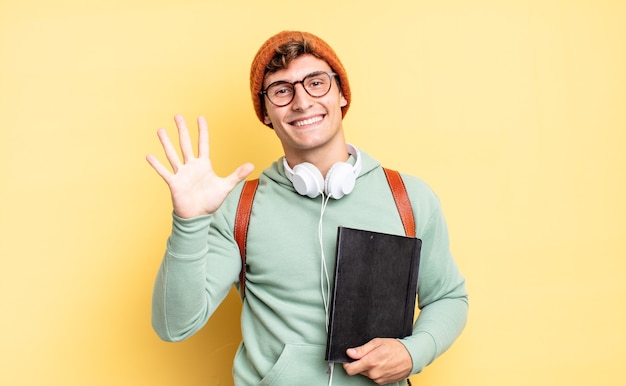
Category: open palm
[195,188]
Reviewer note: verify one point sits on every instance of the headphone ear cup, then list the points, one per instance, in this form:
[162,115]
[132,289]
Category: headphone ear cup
[340,180]
[307,180]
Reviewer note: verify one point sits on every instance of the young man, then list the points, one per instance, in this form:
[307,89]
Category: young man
[300,89]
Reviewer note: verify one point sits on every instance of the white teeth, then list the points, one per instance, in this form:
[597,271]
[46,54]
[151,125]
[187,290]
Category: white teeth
[309,121]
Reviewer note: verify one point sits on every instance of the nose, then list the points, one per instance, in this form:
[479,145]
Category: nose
[301,99]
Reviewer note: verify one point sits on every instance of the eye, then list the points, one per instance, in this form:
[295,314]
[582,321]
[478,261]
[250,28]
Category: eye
[280,90]
[317,81]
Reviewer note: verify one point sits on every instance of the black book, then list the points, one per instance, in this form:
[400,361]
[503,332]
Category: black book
[374,289]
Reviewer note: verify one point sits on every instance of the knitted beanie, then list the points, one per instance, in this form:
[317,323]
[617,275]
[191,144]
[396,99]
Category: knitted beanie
[268,50]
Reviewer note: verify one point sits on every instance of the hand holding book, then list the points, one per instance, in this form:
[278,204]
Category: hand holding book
[384,360]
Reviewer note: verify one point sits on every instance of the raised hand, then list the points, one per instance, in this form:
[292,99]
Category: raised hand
[195,188]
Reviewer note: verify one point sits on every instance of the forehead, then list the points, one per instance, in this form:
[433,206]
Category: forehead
[298,69]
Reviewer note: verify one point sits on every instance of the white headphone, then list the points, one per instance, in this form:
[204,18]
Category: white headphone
[340,179]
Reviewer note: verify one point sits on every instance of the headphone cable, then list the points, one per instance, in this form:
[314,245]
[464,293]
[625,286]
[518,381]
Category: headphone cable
[325,278]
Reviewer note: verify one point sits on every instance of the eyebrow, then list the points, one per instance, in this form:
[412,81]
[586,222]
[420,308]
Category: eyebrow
[288,81]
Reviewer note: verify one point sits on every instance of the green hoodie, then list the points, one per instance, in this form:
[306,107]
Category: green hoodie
[283,315]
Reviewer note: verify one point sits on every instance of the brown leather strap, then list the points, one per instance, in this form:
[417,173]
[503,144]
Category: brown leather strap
[242,220]
[402,201]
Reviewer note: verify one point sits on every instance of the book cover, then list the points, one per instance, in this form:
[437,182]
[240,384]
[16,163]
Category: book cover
[374,289]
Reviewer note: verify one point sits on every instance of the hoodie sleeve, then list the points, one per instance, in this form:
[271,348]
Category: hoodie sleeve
[442,296]
[194,277]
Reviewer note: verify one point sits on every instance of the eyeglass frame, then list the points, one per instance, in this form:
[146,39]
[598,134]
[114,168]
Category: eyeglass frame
[331,75]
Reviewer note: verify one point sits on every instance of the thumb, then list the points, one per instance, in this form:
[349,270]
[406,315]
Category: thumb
[240,173]
[354,353]
[359,352]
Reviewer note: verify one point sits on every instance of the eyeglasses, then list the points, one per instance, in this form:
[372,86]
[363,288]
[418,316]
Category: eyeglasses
[316,84]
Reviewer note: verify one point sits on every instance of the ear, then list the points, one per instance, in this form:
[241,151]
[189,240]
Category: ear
[344,101]
[267,120]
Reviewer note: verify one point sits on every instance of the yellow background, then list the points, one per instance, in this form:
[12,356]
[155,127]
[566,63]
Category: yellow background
[513,111]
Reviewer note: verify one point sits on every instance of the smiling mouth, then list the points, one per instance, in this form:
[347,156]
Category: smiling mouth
[308,121]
